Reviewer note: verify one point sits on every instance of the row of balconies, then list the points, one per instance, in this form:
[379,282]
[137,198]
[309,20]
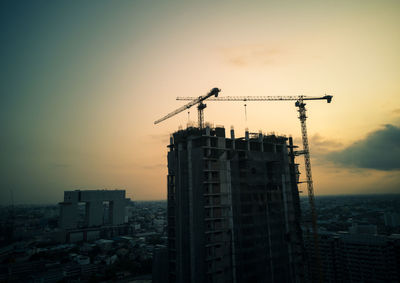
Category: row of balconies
[217,225]
[212,200]
[217,237]
[213,231]
[210,153]
[215,212]
[216,206]
[211,165]
[211,180]
[212,188]
[215,251]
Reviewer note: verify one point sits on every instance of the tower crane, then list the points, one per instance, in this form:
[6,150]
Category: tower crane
[200,107]
[306,152]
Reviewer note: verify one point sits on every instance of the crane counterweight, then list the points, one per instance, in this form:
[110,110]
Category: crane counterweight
[215,91]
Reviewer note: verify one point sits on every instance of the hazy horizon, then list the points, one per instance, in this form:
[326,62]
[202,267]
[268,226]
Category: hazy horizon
[83,82]
[156,200]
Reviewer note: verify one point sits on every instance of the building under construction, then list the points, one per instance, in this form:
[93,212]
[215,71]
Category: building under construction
[233,208]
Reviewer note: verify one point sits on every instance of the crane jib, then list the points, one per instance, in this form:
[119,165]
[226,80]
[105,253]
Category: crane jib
[328,98]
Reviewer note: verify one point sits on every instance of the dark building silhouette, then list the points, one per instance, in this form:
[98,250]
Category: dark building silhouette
[103,215]
[160,264]
[357,257]
[94,206]
[233,208]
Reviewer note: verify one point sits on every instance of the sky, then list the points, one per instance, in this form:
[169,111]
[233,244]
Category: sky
[83,81]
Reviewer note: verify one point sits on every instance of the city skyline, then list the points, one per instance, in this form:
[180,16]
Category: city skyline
[84,82]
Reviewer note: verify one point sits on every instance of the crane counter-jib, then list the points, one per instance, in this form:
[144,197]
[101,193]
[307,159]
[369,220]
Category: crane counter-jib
[194,101]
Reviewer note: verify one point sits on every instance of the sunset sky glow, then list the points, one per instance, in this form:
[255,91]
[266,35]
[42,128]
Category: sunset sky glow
[83,82]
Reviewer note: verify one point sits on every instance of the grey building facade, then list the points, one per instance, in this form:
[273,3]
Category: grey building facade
[93,200]
[357,257]
[233,208]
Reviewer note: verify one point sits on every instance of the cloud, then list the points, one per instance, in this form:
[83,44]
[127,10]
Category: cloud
[254,55]
[380,150]
[323,143]
[319,145]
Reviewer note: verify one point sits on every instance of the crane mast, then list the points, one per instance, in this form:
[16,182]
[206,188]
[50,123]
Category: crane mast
[200,114]
[306,152]
[310,187]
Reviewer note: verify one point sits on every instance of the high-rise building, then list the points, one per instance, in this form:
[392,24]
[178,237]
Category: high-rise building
[233,208]
[95,214]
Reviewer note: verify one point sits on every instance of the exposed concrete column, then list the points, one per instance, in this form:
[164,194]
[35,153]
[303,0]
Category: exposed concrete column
[171,143]
[247,137]
[230,217]
[208,132]
[180,263]
[192,231]
[233,138]
[261,139]
[285,193]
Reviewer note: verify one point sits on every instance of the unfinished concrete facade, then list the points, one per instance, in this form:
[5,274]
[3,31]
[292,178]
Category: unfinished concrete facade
[94,205]
[233,208]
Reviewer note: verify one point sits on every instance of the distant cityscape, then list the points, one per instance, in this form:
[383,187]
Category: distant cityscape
[34,247]
[29,251]
[359,238]
[233,214]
